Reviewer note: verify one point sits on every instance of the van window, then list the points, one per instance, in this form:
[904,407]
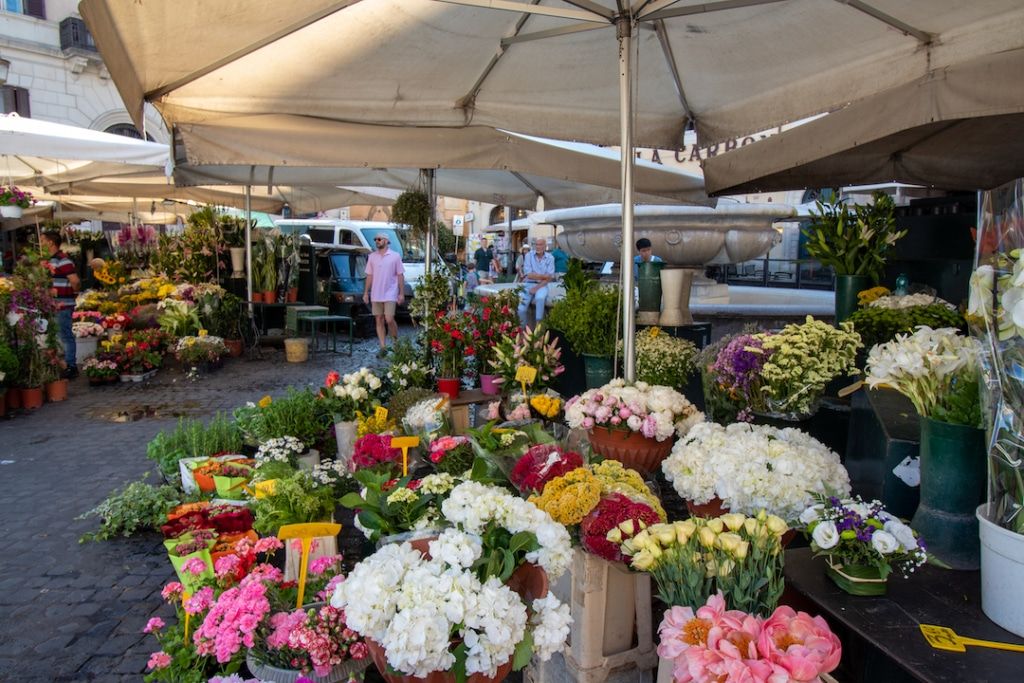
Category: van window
[349,271]
[411,250]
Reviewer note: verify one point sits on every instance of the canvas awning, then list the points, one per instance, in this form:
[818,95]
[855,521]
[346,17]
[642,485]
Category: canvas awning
[960,127]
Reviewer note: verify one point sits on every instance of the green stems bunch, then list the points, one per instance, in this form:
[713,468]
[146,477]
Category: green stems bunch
[854,240]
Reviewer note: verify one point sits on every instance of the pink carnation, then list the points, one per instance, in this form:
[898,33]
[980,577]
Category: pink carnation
[196,566]
[172,591]
[268,544]
[322,564]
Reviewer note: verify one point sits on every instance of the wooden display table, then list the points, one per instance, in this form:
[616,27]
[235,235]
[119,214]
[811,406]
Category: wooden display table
[881,638]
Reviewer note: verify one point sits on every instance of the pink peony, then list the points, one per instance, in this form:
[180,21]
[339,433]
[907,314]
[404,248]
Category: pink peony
[159,660]
[801,644]
[154,624]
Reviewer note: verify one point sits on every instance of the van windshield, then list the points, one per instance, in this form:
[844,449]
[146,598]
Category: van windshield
[408,247]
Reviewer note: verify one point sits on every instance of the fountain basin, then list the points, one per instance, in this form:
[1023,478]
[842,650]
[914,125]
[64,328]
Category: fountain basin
[692,236]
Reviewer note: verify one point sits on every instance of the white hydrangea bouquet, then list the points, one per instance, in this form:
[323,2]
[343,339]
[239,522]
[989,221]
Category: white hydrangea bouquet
[657,412]
[353,393]
[754,467]
[451,609]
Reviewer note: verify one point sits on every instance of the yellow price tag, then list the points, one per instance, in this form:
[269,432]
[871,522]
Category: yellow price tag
[405,443]
[526,374]
[306,533]
[380,414]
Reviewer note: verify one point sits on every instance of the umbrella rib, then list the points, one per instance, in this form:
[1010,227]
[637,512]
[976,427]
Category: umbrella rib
[592,7]
[706,8]
[531,186]
[551,33]
[901,26]
[666,49]
[645,7]
[532,8]
[249,49]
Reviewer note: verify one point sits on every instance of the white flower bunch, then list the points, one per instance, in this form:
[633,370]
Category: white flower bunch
[655,411]
[753,468]
[409,374]
[283,449]
[414,607]
[909,301]
[438,483]
[426,417]
[472,506]
[924,365]
[357,386]
[329,472]
[1006,312]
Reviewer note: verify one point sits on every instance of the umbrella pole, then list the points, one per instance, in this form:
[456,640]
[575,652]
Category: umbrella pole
[624,31]
[428,247]
[248,248]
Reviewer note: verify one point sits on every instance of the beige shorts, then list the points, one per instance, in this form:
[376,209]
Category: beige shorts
[385,308]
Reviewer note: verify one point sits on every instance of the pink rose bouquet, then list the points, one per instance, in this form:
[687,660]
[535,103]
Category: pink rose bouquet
[715,644]
[451,454]
[374,451]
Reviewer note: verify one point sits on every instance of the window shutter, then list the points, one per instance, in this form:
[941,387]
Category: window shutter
[35,8]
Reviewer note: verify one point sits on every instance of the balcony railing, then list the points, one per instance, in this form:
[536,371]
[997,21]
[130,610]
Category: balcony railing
[766,272]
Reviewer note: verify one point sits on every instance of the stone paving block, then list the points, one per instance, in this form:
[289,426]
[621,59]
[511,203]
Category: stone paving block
[53,645]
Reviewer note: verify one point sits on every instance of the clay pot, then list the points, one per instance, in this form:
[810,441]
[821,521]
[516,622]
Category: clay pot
[57,391]
[632,449]
[32,398]
[235,347]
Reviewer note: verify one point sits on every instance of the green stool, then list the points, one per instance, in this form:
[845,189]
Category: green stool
[329,325]
[295,313]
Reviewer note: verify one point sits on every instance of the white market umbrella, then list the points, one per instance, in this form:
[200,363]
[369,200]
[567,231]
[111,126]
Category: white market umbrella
[553,68]
[959,127]
[43,153]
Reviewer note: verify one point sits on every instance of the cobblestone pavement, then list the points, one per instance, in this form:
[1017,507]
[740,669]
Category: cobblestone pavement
[75,612]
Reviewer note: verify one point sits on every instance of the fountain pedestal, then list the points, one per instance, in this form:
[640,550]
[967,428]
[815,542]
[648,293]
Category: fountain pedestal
[675,292]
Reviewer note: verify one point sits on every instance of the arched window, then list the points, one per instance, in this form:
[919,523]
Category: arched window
[127,130]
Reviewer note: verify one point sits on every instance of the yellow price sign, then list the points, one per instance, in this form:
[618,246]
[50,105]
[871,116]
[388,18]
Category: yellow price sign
[380,414]
[306,533]
[405,443]
[526,374]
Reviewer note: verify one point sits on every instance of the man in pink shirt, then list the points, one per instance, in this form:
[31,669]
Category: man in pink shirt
[385,288]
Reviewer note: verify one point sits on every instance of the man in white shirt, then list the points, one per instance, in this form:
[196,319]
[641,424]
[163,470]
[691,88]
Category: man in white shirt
[538,271]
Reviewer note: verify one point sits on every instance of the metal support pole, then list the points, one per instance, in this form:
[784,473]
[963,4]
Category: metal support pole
[624,30]
[428,257]
[248,244]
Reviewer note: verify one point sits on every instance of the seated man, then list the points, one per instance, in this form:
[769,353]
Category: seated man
[538,271]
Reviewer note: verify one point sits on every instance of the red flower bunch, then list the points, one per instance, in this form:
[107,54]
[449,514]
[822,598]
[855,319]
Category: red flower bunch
[451,340]
[494,318]
[612,511]
[332,378]
[117,322]
[374,450]
[541,464]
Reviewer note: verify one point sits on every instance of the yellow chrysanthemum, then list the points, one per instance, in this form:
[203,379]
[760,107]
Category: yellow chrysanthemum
[265,401]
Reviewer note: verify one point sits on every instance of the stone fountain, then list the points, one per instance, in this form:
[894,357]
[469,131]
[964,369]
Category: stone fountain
[687,238]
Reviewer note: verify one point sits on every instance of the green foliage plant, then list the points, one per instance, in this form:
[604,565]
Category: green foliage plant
[853,240]
[138,506]
[588,318]
[192,439]
[412,208]
[8,365]
[299,413]
[295,500]
[877,324]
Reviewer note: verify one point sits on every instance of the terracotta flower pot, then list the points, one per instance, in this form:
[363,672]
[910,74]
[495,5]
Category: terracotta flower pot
[380,661]
[270,297]
[235,347]
[632,449]
[257,297]
[293,295]
[13,398]
[32,398]
[57,391]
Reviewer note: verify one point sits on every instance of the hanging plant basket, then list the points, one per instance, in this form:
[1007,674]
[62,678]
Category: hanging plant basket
[413,209]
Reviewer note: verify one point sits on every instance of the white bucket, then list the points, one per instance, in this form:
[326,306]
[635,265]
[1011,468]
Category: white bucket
[1002,573]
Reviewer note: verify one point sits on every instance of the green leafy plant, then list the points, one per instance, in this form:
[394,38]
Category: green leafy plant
[854,241]
[432,294]
[877,325]
[295,500]
[413,208]
[8,364]
[138,506]
[191,438]
[588,317]
[299,413]
[390,509]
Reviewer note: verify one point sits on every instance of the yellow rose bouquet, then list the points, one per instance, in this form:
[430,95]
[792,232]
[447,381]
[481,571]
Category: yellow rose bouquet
[738,555]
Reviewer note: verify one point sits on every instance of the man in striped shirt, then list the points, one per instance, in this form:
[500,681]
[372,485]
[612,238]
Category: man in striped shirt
[65,285]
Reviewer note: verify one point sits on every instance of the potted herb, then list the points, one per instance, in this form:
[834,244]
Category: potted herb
[854,242]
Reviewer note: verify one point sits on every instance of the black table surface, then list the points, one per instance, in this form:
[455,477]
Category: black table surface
[887,626]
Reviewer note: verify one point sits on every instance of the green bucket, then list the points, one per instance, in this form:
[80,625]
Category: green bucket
[599,370]
[648,283]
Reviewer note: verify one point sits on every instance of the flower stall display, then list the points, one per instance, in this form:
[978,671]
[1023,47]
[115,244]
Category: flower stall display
[450,340]
[454,596]
[494,319]
[938,370]
[100,371]
[738,556]
[530,347]
[387,506]
[632,423]
[427,419]
[203,350]
[715,643]
[996,315]
[662,359]
[862,543]
[746,468]
[374,452]
[451,454]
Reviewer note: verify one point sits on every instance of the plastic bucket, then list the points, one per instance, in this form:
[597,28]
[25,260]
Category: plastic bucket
[599,370]
[1002,573]
[296,350]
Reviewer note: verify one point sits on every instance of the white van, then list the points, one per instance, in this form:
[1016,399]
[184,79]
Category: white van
[328,232]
